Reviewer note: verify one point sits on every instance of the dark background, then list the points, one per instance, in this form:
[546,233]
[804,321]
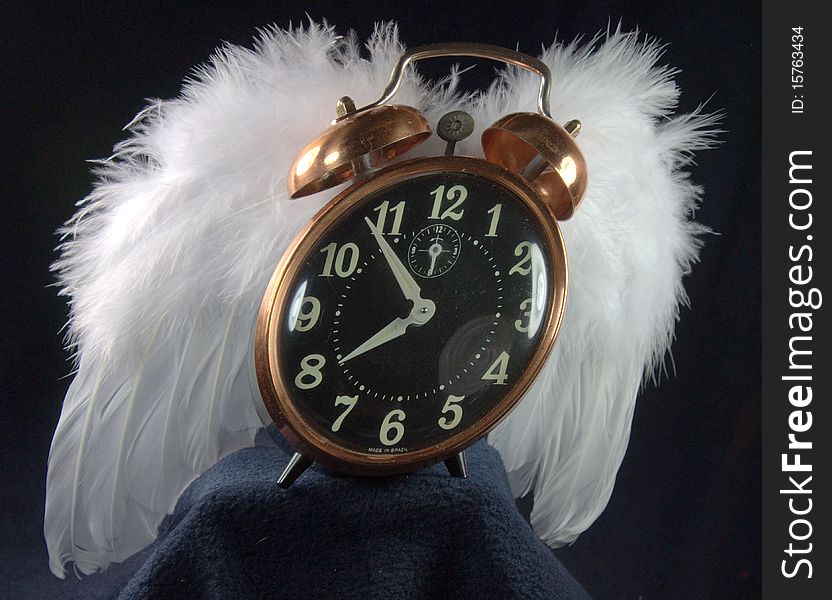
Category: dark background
[684,520]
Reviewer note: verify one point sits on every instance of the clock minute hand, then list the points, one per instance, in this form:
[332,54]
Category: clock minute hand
[408,285]
[389,332]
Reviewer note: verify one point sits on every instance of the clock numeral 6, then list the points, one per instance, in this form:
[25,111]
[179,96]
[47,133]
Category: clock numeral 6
[456,192]
[497,371]
[310,375]
[391,431]
[455,410]
[350,402]
[308,313]
[344,266]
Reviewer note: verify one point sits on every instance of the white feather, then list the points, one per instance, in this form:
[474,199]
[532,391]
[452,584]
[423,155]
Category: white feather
[629,246]
[166,260]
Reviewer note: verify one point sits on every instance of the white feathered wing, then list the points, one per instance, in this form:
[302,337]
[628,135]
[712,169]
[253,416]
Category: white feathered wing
[628,245]
[166,260]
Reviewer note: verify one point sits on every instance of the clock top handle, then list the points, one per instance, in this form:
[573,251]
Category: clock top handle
[475,50]
[531,145]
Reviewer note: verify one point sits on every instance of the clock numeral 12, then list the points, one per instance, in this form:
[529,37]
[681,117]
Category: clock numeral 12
[391,431]
[497,371]
[456,192]
[398,213]
[455,409]
[344,266]
[310,375]
[350,402]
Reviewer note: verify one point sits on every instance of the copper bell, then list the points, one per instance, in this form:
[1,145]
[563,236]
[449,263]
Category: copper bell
[542,152]
[355,143]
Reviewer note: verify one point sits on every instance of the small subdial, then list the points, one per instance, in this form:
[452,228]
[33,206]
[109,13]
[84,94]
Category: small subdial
[433,251]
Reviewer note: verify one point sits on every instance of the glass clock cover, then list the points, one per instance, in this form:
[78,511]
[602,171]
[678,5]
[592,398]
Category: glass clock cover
[412,316]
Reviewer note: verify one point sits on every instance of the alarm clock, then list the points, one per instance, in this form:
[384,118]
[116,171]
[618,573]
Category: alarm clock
[417,307]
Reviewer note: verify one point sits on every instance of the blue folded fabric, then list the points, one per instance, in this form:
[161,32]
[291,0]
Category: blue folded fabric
[236,534]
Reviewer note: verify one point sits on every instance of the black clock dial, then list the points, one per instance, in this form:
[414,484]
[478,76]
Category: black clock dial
[415,312]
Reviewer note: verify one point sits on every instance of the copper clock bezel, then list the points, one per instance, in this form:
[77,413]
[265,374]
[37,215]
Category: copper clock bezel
[276,392]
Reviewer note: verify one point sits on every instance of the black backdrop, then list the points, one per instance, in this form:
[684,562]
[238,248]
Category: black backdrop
[684,520]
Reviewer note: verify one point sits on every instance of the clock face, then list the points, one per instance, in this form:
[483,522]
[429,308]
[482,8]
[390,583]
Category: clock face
[410,318]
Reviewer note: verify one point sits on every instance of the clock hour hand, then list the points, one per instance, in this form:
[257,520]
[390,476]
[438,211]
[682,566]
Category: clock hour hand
[408,285]
[391,331]
[421,313]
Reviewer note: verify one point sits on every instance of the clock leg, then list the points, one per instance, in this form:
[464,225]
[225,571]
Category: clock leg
[297,465]
[457,466]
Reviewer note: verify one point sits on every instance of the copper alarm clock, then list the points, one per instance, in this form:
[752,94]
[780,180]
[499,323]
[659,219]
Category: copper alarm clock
[417,307]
